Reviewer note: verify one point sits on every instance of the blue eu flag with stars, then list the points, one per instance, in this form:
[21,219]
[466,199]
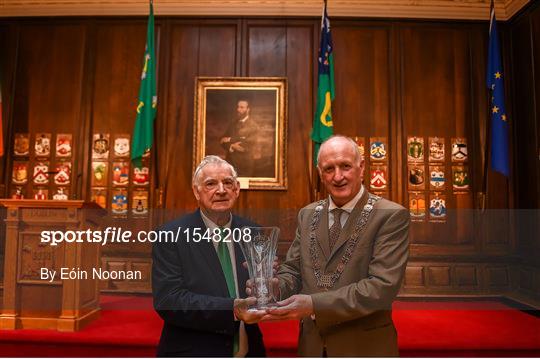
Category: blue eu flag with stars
[499,119]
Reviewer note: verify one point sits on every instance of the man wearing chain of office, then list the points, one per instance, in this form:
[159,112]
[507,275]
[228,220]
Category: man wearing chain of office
[346,263]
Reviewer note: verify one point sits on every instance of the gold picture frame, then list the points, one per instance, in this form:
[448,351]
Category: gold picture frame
[243,120]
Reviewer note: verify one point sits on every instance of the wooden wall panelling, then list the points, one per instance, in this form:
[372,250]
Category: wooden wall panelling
[535,233]
[48,90]
[525,56]
[396,107]
[217,49]
[197,49]
[497,276]
[436,94]
[84,151]
[119,48]
[265,55]
[364,82]
[535,22]
[458,278]
[9,35]
[119,53]
[414,277]
[122,263]
[300,70]
[178,118]
[49,55]
[523,115]
[284,49]
[266,48]
[526,141]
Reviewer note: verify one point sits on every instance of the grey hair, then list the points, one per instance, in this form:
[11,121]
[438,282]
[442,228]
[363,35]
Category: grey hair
[211,160]
[358,155]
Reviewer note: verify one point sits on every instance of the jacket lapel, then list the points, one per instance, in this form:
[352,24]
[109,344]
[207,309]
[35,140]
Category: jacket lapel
[209,253]
[350,225]
[322,231]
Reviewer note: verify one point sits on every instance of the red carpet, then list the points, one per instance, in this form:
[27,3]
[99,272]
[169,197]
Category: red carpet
[128,327]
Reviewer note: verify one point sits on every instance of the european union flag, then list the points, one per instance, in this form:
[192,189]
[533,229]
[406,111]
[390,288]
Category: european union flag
[499,120]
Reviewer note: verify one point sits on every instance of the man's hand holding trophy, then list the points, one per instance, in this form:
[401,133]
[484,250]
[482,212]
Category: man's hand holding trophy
[263,286]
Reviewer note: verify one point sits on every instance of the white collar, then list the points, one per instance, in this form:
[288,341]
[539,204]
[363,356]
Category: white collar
[349,206]
[244,119]
[211,225]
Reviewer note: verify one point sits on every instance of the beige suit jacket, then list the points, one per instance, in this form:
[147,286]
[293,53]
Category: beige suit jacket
[354,317]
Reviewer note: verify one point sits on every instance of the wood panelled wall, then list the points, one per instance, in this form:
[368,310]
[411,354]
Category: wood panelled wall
[525,40]
[393,79]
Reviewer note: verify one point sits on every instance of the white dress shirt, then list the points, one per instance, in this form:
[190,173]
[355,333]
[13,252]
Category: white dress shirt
[347,208]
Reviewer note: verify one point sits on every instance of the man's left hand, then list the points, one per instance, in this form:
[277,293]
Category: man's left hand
[295,307]
[242,313]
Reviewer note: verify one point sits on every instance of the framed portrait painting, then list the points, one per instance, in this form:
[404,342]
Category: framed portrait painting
[243,121]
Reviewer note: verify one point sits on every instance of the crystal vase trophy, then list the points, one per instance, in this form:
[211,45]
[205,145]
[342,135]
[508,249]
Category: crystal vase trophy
[260,252]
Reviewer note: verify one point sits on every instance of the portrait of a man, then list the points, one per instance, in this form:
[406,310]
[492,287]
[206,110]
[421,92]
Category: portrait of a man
[242,121]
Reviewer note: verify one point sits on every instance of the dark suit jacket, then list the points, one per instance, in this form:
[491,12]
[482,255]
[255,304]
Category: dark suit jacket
[191,295]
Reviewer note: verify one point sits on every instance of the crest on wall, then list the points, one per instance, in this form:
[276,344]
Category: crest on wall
[139,206]
[19,174]
[417,206]
[121,146]
[378,149]
[99,196]
[416,177]
[100,145]
[99,173]
[459,149]
[64,145]
[120,173]
[437,207]
[460,178]
[436,149]
[63,173]
[378,177]
[42,146]
[61,194]
[119,204]
[17,193]
[141,175]
[41,194]
[41,173]
[415,149]
[437,178]
[21,145]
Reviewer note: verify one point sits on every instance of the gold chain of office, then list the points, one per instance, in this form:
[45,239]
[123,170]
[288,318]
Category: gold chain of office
[327,281]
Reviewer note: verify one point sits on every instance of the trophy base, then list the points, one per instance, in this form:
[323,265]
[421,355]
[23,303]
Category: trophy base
[262,307]
[263,303]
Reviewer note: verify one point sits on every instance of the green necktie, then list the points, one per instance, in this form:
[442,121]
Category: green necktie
[226,265]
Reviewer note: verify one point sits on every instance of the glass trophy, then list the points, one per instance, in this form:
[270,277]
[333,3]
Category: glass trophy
[259,250]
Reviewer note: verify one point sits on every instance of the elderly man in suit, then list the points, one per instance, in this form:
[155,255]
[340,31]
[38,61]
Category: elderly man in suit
[346,264]
[197,282]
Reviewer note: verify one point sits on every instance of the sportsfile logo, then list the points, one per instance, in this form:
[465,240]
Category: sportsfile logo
[118,235]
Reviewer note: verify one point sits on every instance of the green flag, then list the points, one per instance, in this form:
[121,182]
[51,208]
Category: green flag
[322,123]
[143,133]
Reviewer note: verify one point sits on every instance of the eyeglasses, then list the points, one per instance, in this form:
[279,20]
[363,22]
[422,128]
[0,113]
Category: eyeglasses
[213,184]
